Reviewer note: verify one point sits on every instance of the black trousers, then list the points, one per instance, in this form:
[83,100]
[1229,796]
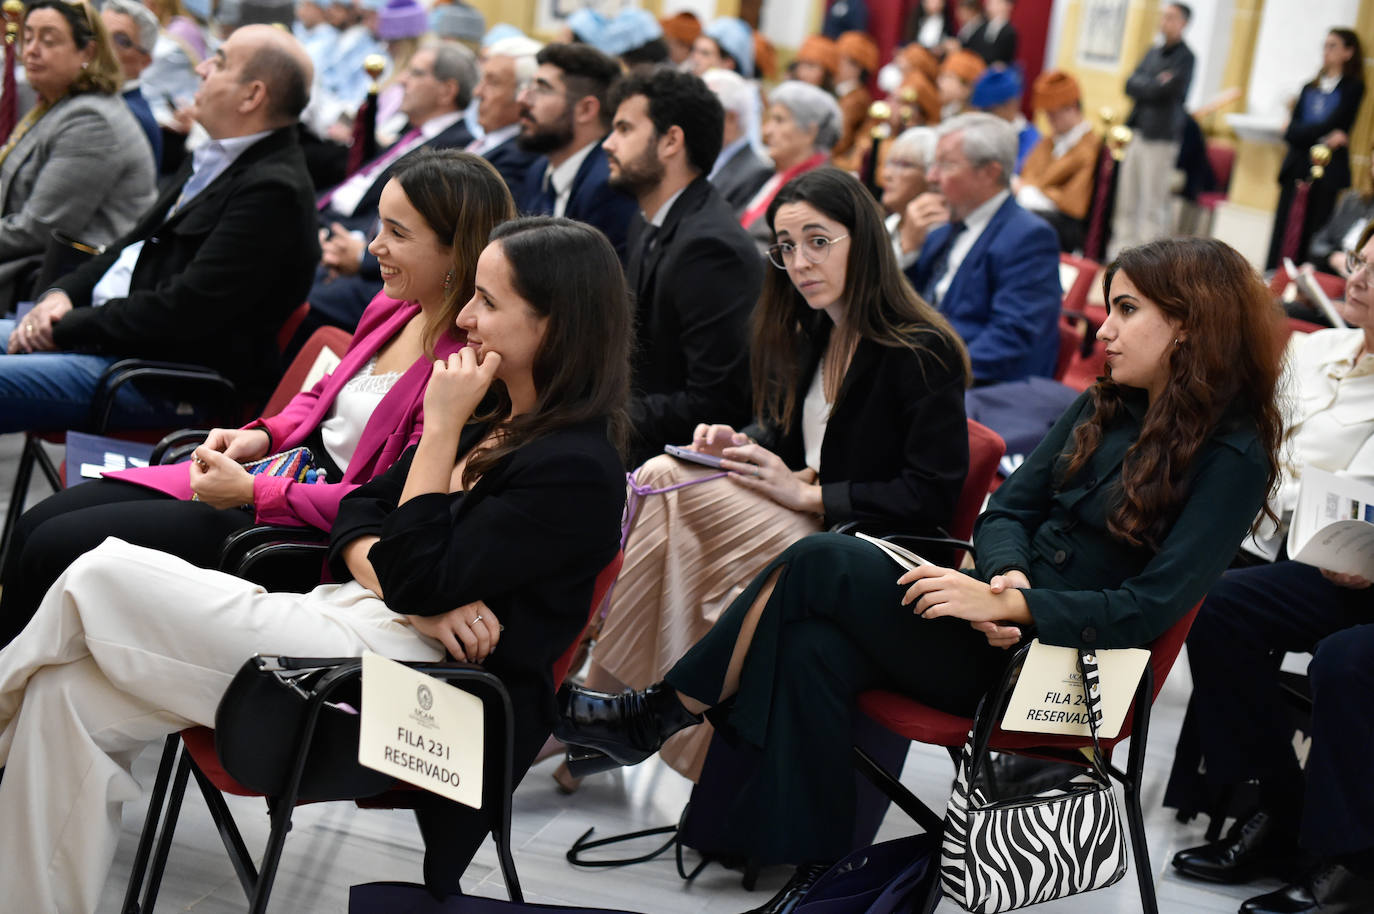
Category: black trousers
[1251,617]
[832,628]
[55,532]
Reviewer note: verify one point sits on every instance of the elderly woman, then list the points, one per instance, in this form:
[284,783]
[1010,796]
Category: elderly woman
[903,179]
[800,127]
[170,81]
[78,162]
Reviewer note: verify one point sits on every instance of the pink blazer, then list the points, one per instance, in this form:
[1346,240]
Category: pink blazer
[394,425]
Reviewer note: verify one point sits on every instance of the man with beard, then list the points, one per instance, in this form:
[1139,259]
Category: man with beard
[694,272]
[563,118]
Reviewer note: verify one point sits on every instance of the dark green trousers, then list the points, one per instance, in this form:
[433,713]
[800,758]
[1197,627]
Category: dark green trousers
[833,627]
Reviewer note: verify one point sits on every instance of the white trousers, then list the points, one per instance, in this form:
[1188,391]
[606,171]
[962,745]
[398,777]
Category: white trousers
[129,645]
[1144,194]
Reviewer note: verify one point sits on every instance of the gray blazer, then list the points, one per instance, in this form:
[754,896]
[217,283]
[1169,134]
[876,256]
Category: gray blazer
[84,169]
[741,177]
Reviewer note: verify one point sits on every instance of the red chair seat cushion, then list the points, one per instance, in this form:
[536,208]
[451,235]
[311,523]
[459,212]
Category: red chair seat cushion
[1210,199]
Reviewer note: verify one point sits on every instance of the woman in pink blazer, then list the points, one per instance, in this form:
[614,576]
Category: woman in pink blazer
[436,214]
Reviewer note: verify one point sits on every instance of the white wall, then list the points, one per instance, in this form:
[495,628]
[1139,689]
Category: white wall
[1288,52]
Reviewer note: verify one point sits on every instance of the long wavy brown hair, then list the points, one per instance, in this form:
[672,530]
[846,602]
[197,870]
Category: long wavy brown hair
[880,304]
[1223,371]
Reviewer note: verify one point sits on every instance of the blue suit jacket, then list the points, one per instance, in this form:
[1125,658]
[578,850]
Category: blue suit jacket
[138,105]
[1004,301]
[592,201]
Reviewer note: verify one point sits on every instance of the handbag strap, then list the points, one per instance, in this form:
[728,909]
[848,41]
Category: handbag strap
[1092,701]
[637,493]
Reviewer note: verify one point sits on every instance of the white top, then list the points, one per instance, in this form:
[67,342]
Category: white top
[354,405]
[1327,399]
[973,229]
[932,31]
[562,177]
[815,416]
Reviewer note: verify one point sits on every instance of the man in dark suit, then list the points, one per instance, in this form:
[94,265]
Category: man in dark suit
[208,274]
[694,272]
[438,85]
[995,39]
[991,267]
[563,119]
[507,68]
[739,172]
[133,32]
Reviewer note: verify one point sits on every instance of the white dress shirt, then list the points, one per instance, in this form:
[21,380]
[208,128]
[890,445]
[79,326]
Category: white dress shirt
[562,177]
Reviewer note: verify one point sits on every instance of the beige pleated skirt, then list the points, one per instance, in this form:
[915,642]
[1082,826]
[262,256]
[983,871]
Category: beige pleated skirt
[691,552]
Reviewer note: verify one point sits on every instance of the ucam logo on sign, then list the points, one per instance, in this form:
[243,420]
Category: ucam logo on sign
[421,731]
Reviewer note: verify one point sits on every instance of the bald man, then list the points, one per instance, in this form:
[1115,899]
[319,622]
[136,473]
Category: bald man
[209,273]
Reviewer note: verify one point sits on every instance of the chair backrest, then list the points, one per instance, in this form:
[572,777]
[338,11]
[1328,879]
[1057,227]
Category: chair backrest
[985,450]
[1070,341]
[600,589]
[1076,277]
[289,326]
[1222,157]
[325,346]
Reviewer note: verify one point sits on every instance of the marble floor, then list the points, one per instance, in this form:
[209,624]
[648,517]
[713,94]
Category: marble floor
[335,845]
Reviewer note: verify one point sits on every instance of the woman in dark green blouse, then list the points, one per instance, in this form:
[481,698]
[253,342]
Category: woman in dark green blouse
[1112,529]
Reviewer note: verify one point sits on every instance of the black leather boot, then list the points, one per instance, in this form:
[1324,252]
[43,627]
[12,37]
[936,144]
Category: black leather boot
[1255,847]
[791,895]
[604,730]
[1331,889]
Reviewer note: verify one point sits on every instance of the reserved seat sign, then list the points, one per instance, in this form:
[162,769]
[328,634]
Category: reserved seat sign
[421,730]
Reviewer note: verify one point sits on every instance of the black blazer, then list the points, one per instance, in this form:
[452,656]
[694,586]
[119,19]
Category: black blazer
[999,49]
[513,161]
[214,281]
[456,136]
[528,539]
[895,451]
[694,291]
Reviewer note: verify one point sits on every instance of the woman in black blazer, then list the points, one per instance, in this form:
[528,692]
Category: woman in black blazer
[859,391]
[483,543]
[1324,113]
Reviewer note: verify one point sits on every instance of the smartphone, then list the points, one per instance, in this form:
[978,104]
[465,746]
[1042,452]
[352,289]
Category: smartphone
[683,453]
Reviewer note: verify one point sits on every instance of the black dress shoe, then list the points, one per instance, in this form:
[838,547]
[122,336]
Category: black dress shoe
[1255,847]
[1331,889]
[791,895]
[604,730]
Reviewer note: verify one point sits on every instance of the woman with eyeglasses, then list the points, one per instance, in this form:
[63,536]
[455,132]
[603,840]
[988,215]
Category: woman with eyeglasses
[1256,613]
[903,179]
[859,393]
[77,163]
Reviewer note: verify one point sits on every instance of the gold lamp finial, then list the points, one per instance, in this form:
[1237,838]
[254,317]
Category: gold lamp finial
[13,11]
[374,65]
[1320,155]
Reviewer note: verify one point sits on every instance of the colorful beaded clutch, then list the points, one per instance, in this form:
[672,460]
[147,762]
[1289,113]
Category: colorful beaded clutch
[297,463]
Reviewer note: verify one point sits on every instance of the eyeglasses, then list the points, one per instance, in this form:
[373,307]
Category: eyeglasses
[1354,262]
[907,164]
[124,42]
[815,249]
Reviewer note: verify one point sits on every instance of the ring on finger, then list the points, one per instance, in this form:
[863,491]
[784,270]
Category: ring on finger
[757,473]
[475,620]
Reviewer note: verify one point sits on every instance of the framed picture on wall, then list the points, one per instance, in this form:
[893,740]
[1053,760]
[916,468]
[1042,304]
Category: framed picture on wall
[1101,32]
[553,13]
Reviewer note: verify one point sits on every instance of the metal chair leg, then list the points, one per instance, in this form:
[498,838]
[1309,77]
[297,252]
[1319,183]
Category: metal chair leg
[169,826]
[1135,770]
[156,801]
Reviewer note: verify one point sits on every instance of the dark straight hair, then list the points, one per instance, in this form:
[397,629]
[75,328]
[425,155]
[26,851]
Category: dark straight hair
[568,273]
[880,304]
[1354,67]
[462,198]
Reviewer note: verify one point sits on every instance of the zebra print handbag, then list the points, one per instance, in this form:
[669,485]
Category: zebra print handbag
[1001,852]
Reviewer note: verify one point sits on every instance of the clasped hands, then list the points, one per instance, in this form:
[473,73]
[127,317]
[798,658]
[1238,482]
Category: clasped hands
[758,469]
[217,475]
[469,632]
[34,332]
[996,608]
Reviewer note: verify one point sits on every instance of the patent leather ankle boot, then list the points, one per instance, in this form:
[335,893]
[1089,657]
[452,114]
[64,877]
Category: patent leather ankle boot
[605,729]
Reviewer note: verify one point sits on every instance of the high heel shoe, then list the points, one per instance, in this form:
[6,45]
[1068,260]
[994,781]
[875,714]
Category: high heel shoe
[605,730]
[792,894]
